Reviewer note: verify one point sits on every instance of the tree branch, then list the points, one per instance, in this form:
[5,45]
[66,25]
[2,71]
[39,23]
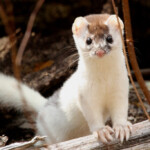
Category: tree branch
[131,51]
[127,64]
[140,136]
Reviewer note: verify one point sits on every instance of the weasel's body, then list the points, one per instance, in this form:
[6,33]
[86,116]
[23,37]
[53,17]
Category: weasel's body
[96,91]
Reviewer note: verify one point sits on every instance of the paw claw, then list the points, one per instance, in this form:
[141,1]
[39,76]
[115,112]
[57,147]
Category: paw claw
[103,139]
[127,133]
[116,133]
[110,129]
[109,137]
[104,134]
[123,132]
[122,135]
[130,127]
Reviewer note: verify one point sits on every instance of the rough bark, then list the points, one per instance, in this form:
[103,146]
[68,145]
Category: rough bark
[139,139]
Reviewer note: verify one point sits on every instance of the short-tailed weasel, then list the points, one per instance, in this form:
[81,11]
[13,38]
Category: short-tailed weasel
[96,91]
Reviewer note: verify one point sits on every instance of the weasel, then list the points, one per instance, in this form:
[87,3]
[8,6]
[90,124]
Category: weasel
[96,91]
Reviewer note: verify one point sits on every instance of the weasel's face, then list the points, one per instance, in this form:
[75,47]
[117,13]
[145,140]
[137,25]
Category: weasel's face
[97,35]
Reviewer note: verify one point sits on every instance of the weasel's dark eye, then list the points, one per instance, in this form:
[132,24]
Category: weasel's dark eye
[88,41]
[109,39]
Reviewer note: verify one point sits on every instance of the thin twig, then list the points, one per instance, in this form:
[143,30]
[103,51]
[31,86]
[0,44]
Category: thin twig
[10,29]
[28,32]
[23,145]
[22,48]
[131,51]
[127,64]
[9,24]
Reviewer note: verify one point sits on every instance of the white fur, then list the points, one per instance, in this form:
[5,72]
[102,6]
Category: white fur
[10,95]
[96,91]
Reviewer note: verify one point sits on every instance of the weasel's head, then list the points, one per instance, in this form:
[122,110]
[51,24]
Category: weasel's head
[97,35]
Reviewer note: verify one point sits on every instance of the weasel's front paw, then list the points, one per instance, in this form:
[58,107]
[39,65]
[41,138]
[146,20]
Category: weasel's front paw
[104,134]
[123,131]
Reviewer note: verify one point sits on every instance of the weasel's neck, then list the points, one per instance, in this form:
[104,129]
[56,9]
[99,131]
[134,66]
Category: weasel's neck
[97,66]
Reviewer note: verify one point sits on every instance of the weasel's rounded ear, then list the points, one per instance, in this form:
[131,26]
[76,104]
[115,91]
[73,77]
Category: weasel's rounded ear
[79,25]
[112,21]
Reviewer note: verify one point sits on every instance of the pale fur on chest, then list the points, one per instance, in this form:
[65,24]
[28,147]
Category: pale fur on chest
[95,83]
[102,77]
[99,87]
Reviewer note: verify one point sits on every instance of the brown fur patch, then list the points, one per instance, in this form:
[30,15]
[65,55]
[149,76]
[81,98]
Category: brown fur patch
[96,24]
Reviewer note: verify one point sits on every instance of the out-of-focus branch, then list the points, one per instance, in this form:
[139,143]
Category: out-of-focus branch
[24,145]
[127,64]
[9,24]
[9,28]
[131,51]
[145,73]
[28,32]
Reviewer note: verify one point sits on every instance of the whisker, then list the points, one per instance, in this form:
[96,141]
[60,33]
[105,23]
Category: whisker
[72,64]
[68,50]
